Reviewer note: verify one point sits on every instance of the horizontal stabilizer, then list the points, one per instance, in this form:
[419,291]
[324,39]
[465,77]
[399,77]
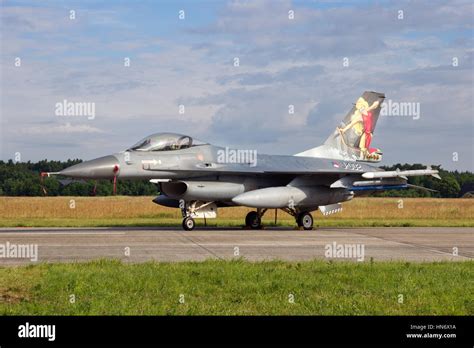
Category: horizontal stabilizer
[421,188]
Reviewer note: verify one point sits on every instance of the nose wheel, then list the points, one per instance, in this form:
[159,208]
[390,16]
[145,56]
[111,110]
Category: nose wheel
[188,224]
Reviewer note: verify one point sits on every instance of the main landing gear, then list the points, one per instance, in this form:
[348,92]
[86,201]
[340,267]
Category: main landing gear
[303,218]
[253,219]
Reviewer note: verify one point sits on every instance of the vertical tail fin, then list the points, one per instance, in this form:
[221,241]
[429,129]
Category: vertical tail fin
[354,135]
[352,139]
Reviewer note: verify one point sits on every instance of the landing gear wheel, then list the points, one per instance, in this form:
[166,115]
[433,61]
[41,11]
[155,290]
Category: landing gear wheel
[188,224]
[305,220]
[253,221]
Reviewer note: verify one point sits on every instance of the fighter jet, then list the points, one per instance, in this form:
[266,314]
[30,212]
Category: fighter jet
[198,177]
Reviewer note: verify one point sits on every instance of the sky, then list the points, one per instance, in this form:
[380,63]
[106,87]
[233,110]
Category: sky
[182,76]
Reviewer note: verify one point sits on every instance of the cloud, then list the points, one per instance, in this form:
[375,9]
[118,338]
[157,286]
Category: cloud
[283,62]
[66,128]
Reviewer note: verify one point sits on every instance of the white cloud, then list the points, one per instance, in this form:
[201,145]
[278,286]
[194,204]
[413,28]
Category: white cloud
[61,129]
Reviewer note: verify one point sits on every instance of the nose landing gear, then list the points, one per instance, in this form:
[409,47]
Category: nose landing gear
[195,209]
[188,223]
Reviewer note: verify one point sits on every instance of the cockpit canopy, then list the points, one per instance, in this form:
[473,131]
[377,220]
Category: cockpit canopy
[165,142]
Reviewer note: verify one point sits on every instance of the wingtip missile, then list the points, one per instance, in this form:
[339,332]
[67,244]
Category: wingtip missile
[435,172]
[401,173]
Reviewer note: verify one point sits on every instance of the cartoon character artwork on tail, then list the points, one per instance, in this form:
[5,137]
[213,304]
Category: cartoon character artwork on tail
[354,135]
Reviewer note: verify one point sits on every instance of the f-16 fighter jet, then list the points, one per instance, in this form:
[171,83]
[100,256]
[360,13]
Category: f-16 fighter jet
[198,177]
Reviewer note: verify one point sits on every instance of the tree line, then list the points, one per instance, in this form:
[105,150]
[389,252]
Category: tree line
[23,179]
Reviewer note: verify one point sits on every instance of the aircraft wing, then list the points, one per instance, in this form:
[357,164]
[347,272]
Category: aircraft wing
[357,176]
[270,165]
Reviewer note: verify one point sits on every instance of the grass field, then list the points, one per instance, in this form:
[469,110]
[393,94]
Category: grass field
[238,288]
[235,287]
[141,211]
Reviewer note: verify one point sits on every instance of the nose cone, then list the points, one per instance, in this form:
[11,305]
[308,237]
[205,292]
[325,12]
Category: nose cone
[100,168]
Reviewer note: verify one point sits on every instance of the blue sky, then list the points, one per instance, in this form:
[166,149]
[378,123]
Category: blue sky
[190,62]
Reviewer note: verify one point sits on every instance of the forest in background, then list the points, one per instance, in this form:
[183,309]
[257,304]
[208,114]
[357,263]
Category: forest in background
[23,179]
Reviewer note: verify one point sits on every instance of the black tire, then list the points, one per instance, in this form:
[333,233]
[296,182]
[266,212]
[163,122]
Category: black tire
[305,220]
[188,224]
[253,221]
[298,221]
